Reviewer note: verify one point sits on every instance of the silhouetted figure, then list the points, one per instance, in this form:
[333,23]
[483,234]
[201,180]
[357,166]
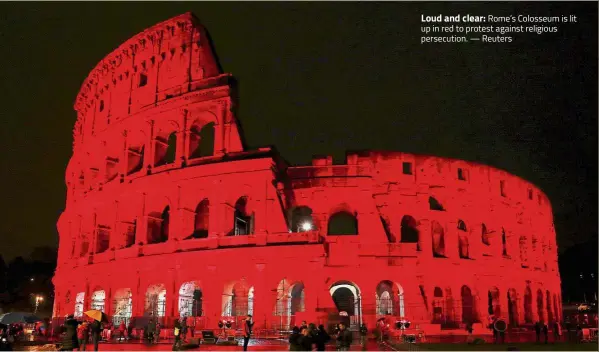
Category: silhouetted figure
[96,330]
[69,341]
[322,338]
[344,338]
[247,332]
[305,340]
[294,339]
[538,331]
[546,333]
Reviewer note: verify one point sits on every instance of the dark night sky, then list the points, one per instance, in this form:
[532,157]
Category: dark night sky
[320,78]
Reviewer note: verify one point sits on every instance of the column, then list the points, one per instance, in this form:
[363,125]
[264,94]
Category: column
[456,293]
[425,244]
[219,133]
[124,159]
[149,149]
[263,296]
[108,301]
[452,243]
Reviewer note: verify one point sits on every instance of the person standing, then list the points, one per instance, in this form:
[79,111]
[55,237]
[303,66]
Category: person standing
[247,332]
[83,335]
[546,333]
[69,341]
[177,334]
[122,329]
[96,330]
[344,338]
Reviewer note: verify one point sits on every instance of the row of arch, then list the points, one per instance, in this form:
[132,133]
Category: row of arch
[444,307]
[238,300]
[201,141]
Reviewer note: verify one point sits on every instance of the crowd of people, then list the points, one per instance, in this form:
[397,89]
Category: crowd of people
[308,337]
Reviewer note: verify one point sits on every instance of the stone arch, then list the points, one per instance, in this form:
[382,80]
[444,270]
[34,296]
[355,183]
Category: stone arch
[103,228]
[347,298]
[438,242]
[155,304]
[201,139]
[201,222]
[159,226]
[238,299]
[389,299]
[512,307]
[112,155]
[136,145]
[540,306]
[243,218]
[98,299]
[342,223]
[165,143]
[289,301]
[463,244]
[301,219]
[409,230]
[122,306]
[494,303]
[438,305]
[190,300]
[468,307]
[79,304]
[528,318]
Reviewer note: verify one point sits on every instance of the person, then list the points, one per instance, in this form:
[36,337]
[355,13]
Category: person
[344,338]
[69,341]
[546,333]
[322,338]
[538,331]
[247,332]
[157,331]
[304,325]
[305,340]
[557,331]
[6,339]
[83,335]
[151,330]
[294,339]
[122,329]
[177,334]
[183,328]
[363,336]
[96,330]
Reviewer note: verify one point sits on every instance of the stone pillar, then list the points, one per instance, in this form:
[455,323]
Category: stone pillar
[456,293]
[425,243]
[262,298]
[149,150]
[452,242]
[503,301]
[219,132]
[108,301]
[172,294]
[212,300]
[124,162]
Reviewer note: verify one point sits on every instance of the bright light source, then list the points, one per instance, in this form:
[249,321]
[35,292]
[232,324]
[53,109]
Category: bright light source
[306,226]
[31,279]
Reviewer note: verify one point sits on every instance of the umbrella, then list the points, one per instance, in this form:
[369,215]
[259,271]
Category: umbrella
[97,315]
[18,317]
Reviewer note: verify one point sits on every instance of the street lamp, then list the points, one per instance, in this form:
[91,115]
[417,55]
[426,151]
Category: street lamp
[38,300]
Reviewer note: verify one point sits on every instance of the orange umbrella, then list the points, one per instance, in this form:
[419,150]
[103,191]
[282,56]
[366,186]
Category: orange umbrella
[97,315]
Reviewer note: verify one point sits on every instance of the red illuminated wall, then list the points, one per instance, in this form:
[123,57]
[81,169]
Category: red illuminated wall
[161,193]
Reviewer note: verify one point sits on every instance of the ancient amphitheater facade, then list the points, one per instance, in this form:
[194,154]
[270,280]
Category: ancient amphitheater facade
[169,215]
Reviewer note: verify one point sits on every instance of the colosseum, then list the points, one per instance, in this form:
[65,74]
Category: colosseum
[168,214]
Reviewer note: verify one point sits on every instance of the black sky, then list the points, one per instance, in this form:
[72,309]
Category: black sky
[320,78]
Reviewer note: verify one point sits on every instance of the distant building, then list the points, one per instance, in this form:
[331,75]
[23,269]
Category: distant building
[168,214]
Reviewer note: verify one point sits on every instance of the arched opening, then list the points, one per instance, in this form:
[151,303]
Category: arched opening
[123,307]
[346,297]
[98,299]
[155,301]
[463,240]
[438,240]
[528,318]
[135,159]
[239,300]
[468,311]
[389,299]
[512,305]
[158,226]
[549,310]
[190,300]
[494,304]
[165,149]
[290,300]
[112,168]
[301,219]
[540,306]
[342,223]
[485,236]
[243,220]
[201,220]
[102,238]
[434,204]
[130,230]
[409,230]
[201,141]
[79,301]
[438,307]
